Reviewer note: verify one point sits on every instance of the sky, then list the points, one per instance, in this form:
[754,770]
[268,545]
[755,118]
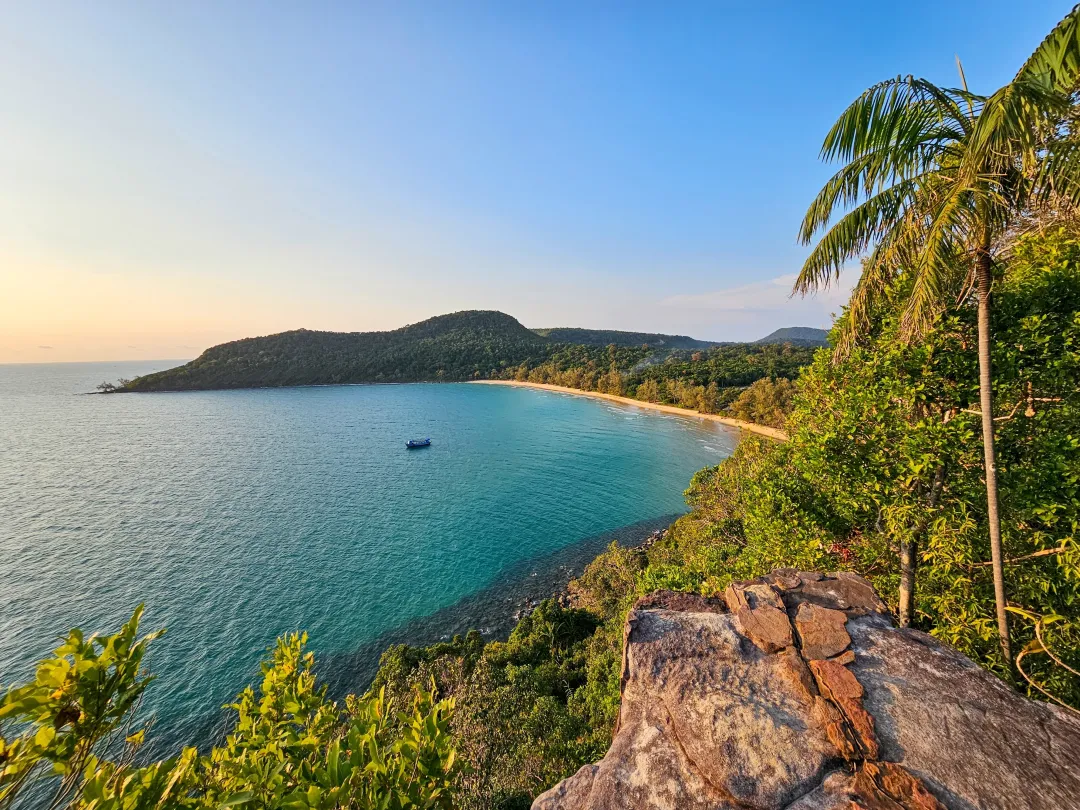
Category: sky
[175,175]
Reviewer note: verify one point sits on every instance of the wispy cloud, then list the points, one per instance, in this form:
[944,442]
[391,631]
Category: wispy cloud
[44,347]
[769,299]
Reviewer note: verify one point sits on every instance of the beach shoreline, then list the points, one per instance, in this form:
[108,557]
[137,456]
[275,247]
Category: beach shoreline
[772,433]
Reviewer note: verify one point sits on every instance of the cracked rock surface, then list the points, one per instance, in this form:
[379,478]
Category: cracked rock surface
[803,695]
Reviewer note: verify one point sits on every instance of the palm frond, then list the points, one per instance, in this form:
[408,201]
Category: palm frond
[1014,125]
[875,171]
[1057,58]
[877,274]
[1058,177]
[895,131]
[856,232]
[880,117]
[950,215]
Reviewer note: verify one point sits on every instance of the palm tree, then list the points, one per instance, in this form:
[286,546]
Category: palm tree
[933,180]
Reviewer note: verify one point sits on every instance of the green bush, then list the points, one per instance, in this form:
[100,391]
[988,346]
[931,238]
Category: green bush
[71,732]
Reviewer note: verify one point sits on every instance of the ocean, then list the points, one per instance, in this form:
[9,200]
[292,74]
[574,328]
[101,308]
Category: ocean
[237,516]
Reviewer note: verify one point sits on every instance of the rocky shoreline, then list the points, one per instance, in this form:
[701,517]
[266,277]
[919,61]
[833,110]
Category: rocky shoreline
[493,610]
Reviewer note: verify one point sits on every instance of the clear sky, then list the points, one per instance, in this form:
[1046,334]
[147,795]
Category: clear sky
[177,174]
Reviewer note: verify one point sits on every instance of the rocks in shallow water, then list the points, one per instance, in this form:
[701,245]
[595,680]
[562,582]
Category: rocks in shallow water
[722,710]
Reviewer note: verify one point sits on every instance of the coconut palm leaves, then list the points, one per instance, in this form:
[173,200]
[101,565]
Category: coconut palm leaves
[930,175]
[1057,59]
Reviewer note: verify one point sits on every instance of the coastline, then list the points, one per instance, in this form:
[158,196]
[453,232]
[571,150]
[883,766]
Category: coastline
[493,610]
[771,433]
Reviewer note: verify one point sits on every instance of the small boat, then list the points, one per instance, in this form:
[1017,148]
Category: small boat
[412,444]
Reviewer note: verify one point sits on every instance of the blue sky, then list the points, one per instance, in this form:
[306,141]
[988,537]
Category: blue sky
[177,174]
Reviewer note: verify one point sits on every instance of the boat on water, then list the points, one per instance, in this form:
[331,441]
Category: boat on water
[412,444]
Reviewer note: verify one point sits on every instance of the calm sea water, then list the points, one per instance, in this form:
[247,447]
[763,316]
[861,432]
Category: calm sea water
[237,516]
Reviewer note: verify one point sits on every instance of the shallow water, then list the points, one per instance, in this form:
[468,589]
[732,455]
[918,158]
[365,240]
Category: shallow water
[239,515]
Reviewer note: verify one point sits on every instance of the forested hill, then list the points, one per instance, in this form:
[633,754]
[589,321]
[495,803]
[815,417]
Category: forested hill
[609,337]
[460,346]
[798,336]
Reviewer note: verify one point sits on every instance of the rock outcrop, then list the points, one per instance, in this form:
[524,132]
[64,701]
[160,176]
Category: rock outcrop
[804,695]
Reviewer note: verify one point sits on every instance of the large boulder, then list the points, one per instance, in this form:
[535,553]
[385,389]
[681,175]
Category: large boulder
[804,695]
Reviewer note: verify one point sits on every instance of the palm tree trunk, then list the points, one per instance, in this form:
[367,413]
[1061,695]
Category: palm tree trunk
[909,552]
[908,549]
[984,273]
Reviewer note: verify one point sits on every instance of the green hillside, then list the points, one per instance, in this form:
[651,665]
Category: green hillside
[609,337]
[798,336]
[459,346]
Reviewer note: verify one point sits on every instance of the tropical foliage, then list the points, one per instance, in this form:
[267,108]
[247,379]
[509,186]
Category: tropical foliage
[460,346]
[614,337]
[766,402]
[70,739]
[708,380]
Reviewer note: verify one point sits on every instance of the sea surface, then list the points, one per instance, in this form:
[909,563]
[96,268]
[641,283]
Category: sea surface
[236,516]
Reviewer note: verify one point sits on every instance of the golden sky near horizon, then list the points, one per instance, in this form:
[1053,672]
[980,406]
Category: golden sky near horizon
[55,313]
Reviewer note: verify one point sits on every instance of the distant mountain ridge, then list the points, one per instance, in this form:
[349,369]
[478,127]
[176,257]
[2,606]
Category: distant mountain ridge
[607,337]
[798,336]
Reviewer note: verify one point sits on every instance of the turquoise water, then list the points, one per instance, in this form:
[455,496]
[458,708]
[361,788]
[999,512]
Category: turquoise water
[239,515]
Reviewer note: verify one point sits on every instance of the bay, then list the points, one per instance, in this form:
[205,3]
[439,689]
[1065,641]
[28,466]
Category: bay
[236,516]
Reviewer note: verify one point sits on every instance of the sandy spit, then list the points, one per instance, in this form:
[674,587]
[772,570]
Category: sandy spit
[772,433]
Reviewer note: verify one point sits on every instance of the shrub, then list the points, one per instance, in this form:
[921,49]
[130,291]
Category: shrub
[71,731]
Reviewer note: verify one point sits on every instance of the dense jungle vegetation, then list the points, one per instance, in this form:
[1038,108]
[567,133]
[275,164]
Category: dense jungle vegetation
[459,346]
[934,448]
[614,337]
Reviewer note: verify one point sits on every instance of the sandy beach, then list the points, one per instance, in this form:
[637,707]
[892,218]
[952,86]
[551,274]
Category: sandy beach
[772,433]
